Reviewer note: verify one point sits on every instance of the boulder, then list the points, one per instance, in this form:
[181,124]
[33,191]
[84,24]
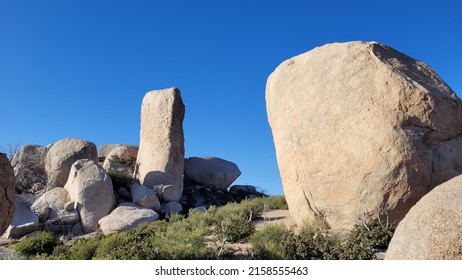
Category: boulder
[24,221]
[167,192]
[120,159]
[7,193]
[161,153]
[50,203]
[125,217]
[244,189]
[29,166]
[432,229]
[104,150]
[62,155]
[360,128]
[144,197]
[212,172]
[90,188]
[171,208]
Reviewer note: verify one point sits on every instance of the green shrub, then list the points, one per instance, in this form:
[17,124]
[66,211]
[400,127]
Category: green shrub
[121,160]
[366,239]
[43,243]
[267,242]
[120,179]
[232,221]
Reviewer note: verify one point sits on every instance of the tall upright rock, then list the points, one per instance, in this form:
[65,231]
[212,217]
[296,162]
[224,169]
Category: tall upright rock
[361,129]
[161,152]
[7,193]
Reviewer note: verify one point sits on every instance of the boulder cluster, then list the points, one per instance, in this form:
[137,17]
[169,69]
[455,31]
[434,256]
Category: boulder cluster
[68,188]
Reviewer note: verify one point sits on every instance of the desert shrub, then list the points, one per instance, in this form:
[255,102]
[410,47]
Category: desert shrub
[310,244]
[366,239]
[121,160]
[43,243]
[120,179]
[274,202]
[267,242]
[84,248]
[232,221]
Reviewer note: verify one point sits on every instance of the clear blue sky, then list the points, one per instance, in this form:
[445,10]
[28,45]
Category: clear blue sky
[81,68]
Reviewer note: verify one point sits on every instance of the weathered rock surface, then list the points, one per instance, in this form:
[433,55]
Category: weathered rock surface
[360,127]
[432,229]
[126,216]
[161,152]
[104,150]
[62,155]
[212,172]
[50,203]
[167,193]
[24,221]
[91,190]
[144,197]
[171,208]
[7,193]
[29,166]
[121,158]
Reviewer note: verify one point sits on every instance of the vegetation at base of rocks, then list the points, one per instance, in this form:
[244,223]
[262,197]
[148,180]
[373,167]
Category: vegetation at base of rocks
[312,243]
[210,234]
[120,179]
[42,244]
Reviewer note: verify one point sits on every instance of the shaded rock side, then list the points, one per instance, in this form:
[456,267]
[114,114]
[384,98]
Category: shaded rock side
[432,229]
[29,166]
[24,221]
[7,193]
[62,155]
[360,128]
[90,188]
[161,152]
[212,172]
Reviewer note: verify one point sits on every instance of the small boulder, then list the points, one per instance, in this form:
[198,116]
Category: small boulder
[244,189]
[90,188]
[432,229]
[7,193]
[144,197]
[125,217]
[212,172]
[121,159]
[171,208]
[50,203]
[167,192]
[105,150]
[62,155]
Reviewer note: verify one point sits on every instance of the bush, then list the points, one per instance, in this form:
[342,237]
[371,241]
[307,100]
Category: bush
[366,239]
[232,221]
[120,179]
[267,243]
[43,243]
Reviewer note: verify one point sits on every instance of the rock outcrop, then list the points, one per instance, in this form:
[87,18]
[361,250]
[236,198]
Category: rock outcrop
[48,205]
[62,155]
[360,128]
[432,229]
[90,188]
[7,193]
[212,172]
[161,152]
[29,166]
[125,217]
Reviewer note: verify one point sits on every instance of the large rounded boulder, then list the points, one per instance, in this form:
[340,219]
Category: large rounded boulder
[62,155]
[361,129]
[7,193]
[432,229]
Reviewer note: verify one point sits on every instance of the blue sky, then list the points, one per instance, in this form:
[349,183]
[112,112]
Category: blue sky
[81,68]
